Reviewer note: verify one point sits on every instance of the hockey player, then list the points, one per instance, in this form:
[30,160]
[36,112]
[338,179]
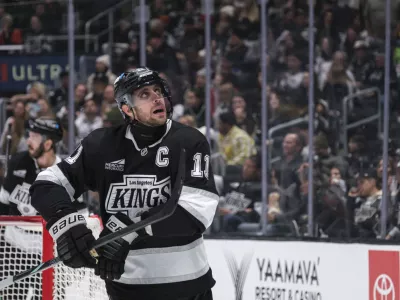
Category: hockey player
[132,166]
[43,134]
[14,200]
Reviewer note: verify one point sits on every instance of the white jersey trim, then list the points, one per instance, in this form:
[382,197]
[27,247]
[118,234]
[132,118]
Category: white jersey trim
[55,175]
[165,265]
[129,136]
[199,203]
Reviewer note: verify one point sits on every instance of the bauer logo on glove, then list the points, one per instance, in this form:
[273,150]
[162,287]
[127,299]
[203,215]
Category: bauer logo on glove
[65,223]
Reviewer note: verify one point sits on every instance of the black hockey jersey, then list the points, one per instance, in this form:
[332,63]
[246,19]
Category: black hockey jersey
[14,194]
[171,263]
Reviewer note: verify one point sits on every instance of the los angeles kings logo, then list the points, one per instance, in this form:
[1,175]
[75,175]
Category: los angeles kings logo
[137,193]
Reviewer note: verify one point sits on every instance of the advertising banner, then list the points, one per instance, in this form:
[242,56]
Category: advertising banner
[16,72]
[268,270]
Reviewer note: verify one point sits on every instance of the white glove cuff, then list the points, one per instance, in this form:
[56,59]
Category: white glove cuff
[65,224]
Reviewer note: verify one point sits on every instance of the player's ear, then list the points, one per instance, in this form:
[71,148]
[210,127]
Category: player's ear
[128,111]
[47,145]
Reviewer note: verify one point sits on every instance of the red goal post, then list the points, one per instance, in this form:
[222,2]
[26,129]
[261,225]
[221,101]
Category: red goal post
[24,243]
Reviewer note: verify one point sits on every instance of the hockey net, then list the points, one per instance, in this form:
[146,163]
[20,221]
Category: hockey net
[24,243]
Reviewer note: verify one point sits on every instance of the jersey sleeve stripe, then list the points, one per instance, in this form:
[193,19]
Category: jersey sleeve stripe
[4,196]
[199,203]
[55,175]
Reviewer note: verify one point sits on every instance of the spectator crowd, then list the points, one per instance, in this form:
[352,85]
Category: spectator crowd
[348,89]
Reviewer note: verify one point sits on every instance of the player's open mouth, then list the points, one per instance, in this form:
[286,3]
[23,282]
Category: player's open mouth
[158,111]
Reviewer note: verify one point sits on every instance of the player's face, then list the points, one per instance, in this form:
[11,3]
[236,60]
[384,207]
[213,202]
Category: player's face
[33,142]
[149,105]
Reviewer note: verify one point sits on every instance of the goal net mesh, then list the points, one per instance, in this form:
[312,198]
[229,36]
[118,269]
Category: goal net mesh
[24,243]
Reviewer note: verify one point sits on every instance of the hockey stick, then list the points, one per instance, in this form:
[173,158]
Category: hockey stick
[168,210]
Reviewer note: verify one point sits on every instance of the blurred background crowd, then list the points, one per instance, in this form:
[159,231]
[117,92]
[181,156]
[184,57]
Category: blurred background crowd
[348,98]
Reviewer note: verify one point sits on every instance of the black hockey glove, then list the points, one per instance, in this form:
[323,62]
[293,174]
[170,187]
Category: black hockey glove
[112,258]
[74,241]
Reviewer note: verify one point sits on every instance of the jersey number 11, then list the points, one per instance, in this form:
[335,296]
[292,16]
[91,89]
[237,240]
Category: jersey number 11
[196,171]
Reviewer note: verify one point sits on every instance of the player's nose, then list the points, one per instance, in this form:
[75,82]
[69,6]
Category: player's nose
[158,99]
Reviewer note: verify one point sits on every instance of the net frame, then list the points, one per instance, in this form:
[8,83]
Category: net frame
[48,277]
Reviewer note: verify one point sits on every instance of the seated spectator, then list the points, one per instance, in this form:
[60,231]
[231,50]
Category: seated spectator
[8,34]
[331,207]
[361,63]
[51,16]
[59,97]
[35,91]
[278,112]
[80,94]
[195,106]
[236,51]
[130,56]
[367,205]
[393,183]
[243,116]
[113,118]
[36,42]
[123,32]
[15,126]
[326,28]
[291,159]
[375,75]
[338,82]
[358,157]
[293,77]
[108,100]
[200,85]
[283,208]
[62,146]
[44,109]
[248,17]
[324,158]
[100,82]
[191,38]
[158,28]
[226,94]
[102,66]
[160,56]
[237,205]
[234,143]
[190,120]
[324,54]
[88,120]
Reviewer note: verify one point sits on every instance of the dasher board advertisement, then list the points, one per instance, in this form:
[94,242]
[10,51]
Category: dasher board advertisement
[268,270]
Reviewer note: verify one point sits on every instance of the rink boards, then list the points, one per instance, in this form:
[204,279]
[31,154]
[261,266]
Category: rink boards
[296,270]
